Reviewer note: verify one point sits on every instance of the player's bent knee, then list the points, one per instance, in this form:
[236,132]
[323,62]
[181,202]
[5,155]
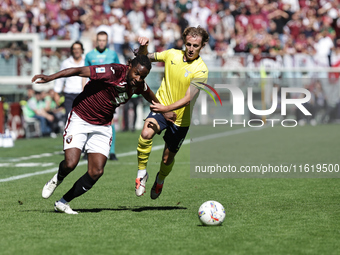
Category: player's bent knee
[96,174]
[70,164]
[147,133]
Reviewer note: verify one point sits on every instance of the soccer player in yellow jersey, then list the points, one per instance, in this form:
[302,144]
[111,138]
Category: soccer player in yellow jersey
[183,68]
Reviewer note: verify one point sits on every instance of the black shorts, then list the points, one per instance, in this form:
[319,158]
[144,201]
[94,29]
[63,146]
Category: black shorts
[174,135]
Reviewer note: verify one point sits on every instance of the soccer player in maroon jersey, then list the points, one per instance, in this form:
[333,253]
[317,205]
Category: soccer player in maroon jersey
[89,121]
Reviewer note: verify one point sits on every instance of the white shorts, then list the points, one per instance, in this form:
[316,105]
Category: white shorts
[96,138]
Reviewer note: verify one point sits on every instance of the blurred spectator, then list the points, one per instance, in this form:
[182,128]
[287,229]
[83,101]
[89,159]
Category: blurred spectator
[106,27]
[256,19]
[71,86]
[335,55]
[323,47]
[35,109]
[75,25]
[279,18]
[293,5]
[228,23]
[183,6]
[241,18]
[171,32]
[295,25]
[149,12]
[118,32]
[215,28]
[183,22]
[129,41]
[117,8]
[200,13]
[179,44]
[136,17]
[52,8]
[5,20]
[58,113]
[223,51]
[147,32]
[302,32]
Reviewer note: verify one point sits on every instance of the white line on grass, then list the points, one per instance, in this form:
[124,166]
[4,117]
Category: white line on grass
[120,155]
[31,164]
[44,155]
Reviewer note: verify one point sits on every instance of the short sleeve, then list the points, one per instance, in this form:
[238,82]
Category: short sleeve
[161,56]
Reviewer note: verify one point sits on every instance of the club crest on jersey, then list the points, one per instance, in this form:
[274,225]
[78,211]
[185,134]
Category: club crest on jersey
[187,73]
[100,69]
[69,139]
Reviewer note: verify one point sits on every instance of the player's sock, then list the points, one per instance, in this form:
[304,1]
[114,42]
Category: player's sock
[143,152]
[81,186]
[62,200]
[141,173]
[164,171]
[62,172]
[113,142]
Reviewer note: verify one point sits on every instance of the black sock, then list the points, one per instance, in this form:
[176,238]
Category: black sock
[81,186]
[62,172]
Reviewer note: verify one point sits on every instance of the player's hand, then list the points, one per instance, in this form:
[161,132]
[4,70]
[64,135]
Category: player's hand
[143,41]
[41,78]
[170,116]
[158,108]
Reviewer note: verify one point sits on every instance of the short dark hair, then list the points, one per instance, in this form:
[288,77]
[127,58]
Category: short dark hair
[196,31]
[77,42]
[142,60]
[102,33]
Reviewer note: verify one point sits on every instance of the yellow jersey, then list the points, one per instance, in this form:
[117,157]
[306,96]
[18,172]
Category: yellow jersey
[178,74]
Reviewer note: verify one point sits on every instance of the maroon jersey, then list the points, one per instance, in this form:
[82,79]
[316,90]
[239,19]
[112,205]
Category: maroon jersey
[106,90]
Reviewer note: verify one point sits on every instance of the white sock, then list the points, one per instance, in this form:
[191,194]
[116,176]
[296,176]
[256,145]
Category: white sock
[141,173]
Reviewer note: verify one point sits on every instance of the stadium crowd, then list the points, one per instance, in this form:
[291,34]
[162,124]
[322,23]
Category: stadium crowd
[293,33]
[273,27]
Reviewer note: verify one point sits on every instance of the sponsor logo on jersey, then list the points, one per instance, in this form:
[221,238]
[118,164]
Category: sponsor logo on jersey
[100,69]
[122,98]
[172,63]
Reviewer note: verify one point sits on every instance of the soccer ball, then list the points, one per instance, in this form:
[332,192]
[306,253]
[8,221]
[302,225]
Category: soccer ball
[211,213]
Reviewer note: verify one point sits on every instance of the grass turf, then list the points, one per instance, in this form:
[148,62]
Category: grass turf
[263,216]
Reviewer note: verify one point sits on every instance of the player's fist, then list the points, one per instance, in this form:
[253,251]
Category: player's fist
[40,78]
[143,41]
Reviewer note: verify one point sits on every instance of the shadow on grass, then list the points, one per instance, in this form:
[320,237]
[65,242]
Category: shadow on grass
[120,208]
[133,209]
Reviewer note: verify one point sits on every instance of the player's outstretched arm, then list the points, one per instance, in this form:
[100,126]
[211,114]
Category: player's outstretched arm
[189,95]
[83,71]
[151,98]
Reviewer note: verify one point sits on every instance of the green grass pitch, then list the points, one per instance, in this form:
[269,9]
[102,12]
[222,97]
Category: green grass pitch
[263,215]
